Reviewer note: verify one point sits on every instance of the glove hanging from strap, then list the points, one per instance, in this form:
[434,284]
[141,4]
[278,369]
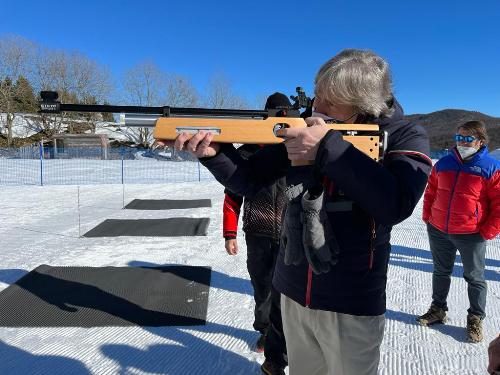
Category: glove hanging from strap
[306,230]
[291,232]
[320,245]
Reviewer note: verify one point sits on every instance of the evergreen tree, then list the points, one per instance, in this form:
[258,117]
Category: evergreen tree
[5,95]
[7,83]
[24,97]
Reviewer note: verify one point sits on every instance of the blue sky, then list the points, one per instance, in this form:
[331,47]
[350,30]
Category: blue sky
[443,54]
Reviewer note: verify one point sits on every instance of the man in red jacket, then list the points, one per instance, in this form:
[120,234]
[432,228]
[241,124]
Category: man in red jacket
[262,226]
[462,211]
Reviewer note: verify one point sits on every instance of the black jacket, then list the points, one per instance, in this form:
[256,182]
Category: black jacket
[262,214]
[382,194]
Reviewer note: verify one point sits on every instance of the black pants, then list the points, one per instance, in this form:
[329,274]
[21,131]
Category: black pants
[261,259]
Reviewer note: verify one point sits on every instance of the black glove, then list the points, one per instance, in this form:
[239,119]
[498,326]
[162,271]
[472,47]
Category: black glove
[320,245]
[291,232]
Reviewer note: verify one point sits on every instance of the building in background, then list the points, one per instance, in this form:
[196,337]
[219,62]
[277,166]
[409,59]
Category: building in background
[70,146]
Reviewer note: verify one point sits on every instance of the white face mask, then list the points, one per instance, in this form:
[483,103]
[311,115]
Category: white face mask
[466,152]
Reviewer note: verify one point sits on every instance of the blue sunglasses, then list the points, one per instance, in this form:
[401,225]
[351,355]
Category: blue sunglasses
[464,138]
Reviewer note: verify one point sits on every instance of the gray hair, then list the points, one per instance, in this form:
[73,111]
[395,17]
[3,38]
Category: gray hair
[359,78]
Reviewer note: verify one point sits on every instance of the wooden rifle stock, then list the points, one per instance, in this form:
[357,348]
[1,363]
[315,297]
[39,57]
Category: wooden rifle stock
[365,137]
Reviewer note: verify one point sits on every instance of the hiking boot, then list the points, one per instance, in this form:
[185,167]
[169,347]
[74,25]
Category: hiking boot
[474,328]
[434,315]
[260,343]
[271,368]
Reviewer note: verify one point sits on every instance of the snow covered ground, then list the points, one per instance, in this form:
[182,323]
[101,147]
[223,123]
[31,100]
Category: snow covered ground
[41,225]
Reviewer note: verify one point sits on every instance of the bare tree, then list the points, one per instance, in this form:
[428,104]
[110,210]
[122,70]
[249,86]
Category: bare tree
[144,85]
[76,78]
[73,75]
[180,92]
[260,101]
[15,58]
[221,95]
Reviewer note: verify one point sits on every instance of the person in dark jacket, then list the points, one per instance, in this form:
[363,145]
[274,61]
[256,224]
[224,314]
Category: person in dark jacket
[462,211]
[262,216]
[332,265]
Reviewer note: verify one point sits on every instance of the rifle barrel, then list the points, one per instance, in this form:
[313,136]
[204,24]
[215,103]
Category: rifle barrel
[56,107]
[148,115]
[140,120]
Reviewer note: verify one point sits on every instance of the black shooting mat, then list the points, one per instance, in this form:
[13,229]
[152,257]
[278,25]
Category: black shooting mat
[107,296]
[167,204]
[171,227]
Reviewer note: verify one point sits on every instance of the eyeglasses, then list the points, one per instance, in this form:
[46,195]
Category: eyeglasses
[333,120]
[464,138]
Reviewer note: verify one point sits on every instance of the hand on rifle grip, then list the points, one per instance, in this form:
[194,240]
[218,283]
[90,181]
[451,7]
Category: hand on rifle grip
[199,145]
[302,143]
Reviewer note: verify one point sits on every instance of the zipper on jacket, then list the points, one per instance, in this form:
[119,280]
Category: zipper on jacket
[451,198]
[309,286]
[372,244]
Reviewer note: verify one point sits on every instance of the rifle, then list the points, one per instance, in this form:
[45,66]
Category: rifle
[227,125]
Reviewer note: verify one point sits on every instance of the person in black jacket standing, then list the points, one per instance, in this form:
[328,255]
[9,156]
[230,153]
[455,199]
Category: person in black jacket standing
[262,215]
[331,270]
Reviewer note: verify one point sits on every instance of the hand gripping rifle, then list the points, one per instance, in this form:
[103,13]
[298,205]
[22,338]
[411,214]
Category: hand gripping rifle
[227,125]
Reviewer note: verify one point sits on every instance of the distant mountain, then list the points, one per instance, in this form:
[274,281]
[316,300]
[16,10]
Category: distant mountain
[441,126]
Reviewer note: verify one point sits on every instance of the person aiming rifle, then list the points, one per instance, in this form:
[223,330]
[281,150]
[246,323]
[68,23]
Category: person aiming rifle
[332,265]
